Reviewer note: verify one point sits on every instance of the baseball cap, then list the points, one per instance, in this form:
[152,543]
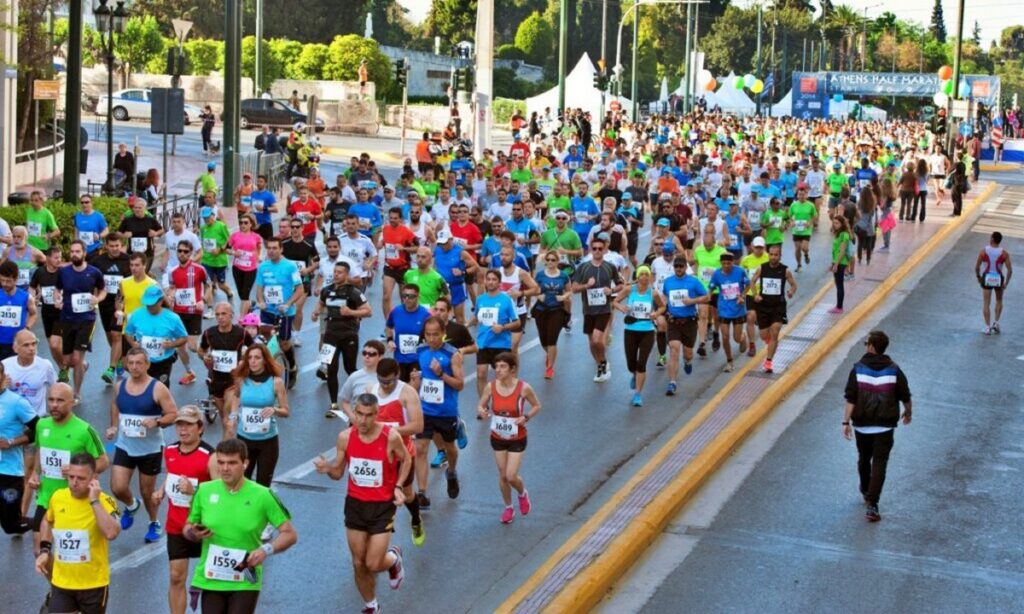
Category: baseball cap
[211,166]
[664,222]
[627,196]
[757,242]
[152,296]
[444,236]
[189,413]
[837,166]
[205,212]
[665,196]
[668,247]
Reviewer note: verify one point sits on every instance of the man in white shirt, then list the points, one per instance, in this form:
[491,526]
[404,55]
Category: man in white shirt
[179,232]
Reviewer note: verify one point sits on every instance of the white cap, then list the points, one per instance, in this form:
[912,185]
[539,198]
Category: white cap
[757,242]
[444,236]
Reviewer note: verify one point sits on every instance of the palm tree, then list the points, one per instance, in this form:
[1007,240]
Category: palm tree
[842,25]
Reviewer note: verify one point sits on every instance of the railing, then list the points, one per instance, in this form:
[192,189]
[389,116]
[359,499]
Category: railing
[258,163]
[187,204]
[35,154]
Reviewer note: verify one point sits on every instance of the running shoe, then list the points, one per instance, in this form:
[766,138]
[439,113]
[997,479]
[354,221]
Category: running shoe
[637,400]
[807,258]
[688,367]
[77,401]
[154,532]
[605,372]
[751,349]
[268,533]
[507,515]
[330,411]
[728,367]
[453,484]
[321,372]
[210,413]
[295,340]
[662,359]
[701,351]
[670,391]
[568,326]
[549,373]
[836,310]
[418,535]
[768,367]
[208,314]
[524,503]
[884,248]
[871,513]
[632,382]
[423,500]
[396,573]
[128,516]
[461,438]
[64,376]
[189,378]
[995,328]
[439,459]
[108,375]
[370,609]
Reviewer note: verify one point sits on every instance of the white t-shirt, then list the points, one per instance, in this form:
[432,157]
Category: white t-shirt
[31,382]
[171,241]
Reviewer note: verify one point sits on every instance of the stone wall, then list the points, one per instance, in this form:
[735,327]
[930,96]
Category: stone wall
[199,91]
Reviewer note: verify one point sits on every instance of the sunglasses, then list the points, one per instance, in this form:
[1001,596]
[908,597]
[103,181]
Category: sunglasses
[597,249]
[410,296]
[296,226]
[184,251]
[369,354]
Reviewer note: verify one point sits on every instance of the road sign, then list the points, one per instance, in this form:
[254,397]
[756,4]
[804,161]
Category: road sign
[44,89]
[966,128]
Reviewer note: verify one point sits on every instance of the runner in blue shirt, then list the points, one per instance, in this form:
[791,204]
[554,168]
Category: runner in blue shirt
[158,331]
[496,318]
[370,219]
[584,213]
[278,289]
[90,226]
[682,292]
[404,328]
[17,309]
[572,161]
[730,282]
[17,427]
[264,205]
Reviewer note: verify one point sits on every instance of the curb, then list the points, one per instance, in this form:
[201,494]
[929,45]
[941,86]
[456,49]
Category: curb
[586,590]
[344,152]
[1000,168]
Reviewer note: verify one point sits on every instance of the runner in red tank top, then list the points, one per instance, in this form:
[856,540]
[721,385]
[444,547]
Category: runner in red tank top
[397,242]
[400,409]
[189,462]
[505,400]
[376,461]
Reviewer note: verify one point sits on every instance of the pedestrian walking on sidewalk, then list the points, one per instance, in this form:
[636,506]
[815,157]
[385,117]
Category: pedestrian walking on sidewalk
[874,391]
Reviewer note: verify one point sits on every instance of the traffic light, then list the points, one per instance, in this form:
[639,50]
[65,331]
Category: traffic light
[463,80]
[600,80]
[401,72]
[940,124]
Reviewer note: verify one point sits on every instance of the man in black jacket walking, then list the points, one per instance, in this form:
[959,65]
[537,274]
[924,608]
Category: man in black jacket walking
[874,391]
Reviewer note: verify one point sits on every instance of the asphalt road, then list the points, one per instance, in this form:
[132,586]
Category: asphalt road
[793,537]
[586,440]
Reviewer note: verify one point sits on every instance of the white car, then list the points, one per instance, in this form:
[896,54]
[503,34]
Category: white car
[135,104]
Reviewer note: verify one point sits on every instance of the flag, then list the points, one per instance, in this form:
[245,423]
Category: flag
[769,84]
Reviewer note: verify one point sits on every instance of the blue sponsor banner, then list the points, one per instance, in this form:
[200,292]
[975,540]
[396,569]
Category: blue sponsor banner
[981,87]
[809,96]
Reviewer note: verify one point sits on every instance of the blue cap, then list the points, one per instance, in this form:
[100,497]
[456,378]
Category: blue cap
[211,166]
[664,222]
[627,196]
[205,212]
[669,247]
[152,296]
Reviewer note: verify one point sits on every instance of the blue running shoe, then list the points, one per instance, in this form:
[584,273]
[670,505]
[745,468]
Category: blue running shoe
[154,532]
[671,390]
[688,368]
[637,400]
[128,516]
[439,459]
[461,438]
[632,382]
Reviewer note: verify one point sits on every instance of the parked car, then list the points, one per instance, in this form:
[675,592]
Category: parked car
[258,112]
[135,103]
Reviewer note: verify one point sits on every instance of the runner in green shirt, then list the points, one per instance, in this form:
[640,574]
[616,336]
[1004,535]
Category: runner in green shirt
[708,258]
[836,181]
[214,235]
[803,213]
[207,181]
[60,436]
[559,201]
[229,516]
[775,221]
[432,286]
[564,240]
[42,226]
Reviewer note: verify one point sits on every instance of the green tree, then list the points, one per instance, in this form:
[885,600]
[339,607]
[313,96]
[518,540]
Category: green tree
[536,38]
[345,53]
[732,42]
[287,53]
[139,43]
[842,26]
[312,60]
[452,20]
[207,16]
[1011,41]
[204,56]
[938,23]
[273,67]
[509,52]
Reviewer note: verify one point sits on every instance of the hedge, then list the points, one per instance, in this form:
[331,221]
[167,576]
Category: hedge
[112,208]
[504,107]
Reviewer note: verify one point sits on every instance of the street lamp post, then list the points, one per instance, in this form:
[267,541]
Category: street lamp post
[109,23]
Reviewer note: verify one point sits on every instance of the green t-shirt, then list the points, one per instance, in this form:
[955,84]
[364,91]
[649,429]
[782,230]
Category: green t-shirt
[237,521]
[708,261]
[207,183]
[214,235]
[523,176]
[546,187]
[803,214]
[552,238]
[39,223]
[837,244]
[57,443]
[752,264]
[432,286]
[835,182]
[554,204]
[428,190]
[774,224]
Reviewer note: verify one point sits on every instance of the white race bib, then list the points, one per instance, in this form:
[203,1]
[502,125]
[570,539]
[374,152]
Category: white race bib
[10,316]
[327,354]
[131,426]
[676,297]
[993,280]
[185,297]
[224,361]
[139,244]
[253,420]
[72,545]
[771,287]
[221,563]
[46,292]
[582,217]
[173,490]
[86,236]
[596,297]
[504,427]
[154,346]
[706,274]
[431,390]
[53,461]
[274,295]
[641,310]
[391,251]
[799,225]
[407,344]
[112,283]
[243,258]
[209,245]
[81,302]
[365,472]
[24,276]
[487,316]
[35,229]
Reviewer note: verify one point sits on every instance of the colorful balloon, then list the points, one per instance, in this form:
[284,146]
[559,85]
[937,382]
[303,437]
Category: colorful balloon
[748,80]
[757,87]
[703,77]
[946,72]
[837,98]
[940,99]
[711,85]
[964,90]
[738,83]
[947,87]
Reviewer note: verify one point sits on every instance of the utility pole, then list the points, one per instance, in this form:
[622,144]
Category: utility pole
[232,77]
[483,52]
[257,80]
[563,50]
[73,103]
[757,66]
[603,62]
[956,74]
[632,72]
[689,65]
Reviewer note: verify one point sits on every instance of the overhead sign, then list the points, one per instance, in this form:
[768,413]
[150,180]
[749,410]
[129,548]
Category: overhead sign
[44,89]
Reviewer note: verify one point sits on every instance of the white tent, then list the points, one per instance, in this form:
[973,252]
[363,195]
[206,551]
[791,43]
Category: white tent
[580,93]
[727,98]
[784,107]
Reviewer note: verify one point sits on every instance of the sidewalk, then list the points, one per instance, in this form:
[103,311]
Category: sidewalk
[578,575]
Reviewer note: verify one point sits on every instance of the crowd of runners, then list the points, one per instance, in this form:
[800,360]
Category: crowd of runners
[696,230]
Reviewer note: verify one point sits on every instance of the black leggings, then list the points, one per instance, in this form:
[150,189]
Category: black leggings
[244,281]
[906,200]
[263,453]
[549,325]
[207,133]
[840,276]
[958,201]
[865,245]
[919,200]
[12,488]
[346,349]
[872,460]
[638,350]
[229,602]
